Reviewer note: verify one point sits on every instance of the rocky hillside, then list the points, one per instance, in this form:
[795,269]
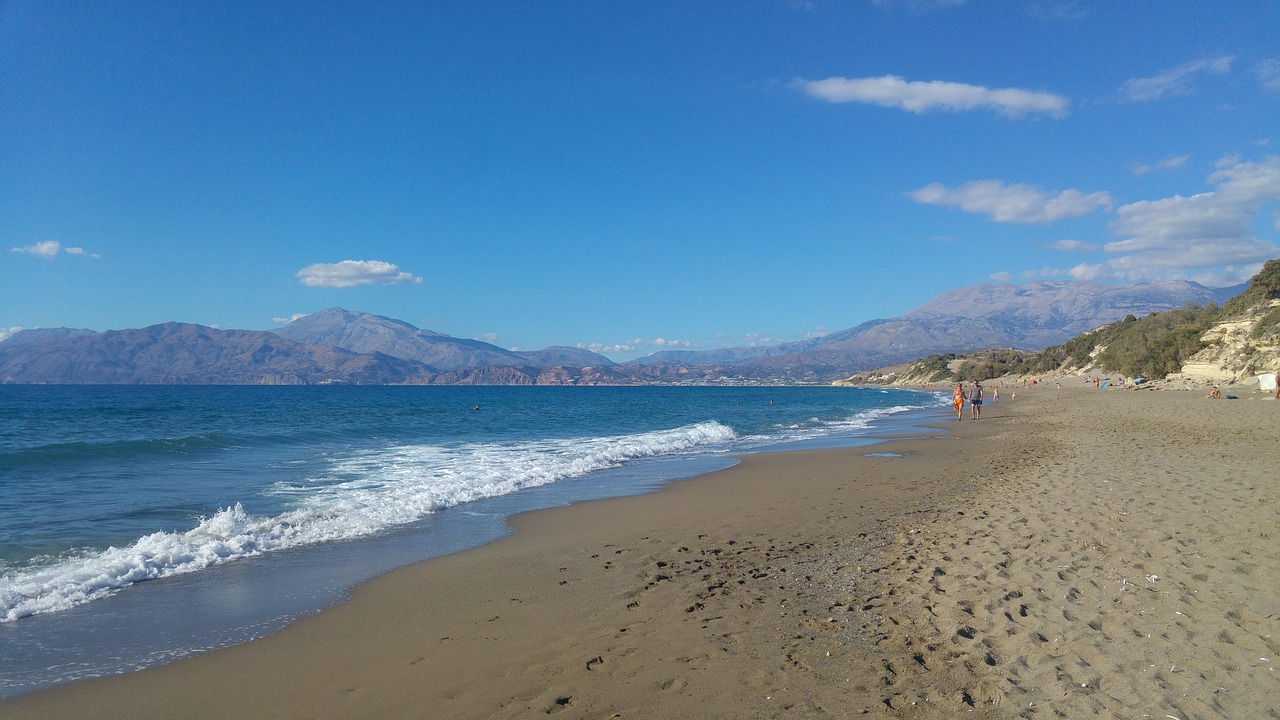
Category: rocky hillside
[1245,340]
[1026,317]
[1235,349]
[337,345]
[1199,343]
[184,354]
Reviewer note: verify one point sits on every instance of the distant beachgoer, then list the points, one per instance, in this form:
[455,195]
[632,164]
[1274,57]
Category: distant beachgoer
[1013,396]
[1214,394]
[957,400]
[995,394]
[1276,395]
[975,400]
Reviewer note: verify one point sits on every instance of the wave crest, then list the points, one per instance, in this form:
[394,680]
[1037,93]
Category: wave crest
[360,496]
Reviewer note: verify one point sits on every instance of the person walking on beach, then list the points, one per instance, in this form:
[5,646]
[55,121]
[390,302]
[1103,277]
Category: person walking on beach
[975,400]
[957,400]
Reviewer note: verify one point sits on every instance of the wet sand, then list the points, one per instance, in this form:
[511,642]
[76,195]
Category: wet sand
[1074,553]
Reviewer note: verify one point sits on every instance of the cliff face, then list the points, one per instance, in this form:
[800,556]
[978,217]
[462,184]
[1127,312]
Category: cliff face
[1238,349]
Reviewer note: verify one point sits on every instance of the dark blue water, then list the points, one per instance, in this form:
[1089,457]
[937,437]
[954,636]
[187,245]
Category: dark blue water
[250,506]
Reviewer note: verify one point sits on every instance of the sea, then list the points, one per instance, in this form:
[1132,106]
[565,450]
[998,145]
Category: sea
[143,524]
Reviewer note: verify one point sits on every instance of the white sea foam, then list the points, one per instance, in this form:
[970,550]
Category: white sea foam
[359,496]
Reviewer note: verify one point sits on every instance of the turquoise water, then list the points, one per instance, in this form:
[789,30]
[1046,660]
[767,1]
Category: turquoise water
[210,490]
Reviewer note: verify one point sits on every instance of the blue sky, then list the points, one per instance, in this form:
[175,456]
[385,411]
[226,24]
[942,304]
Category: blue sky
[624,176]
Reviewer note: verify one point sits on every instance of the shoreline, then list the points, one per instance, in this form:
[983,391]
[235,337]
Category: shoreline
[975,572]
[161,622]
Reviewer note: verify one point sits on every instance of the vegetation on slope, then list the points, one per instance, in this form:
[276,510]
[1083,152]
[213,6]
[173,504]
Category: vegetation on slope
[1153,346]
[1161,343]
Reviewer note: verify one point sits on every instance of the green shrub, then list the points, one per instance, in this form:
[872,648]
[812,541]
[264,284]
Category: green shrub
[1267,325]
[992,364]
[934,367]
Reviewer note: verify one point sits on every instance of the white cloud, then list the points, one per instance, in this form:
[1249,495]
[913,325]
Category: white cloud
[1087,272]
[1174,81]
[286,321]
[350,273]
[1012,203]
[1269,72]
[1175,236]
[920,96]
[1073,246]
[47,249]
[661,343]
[489,337]
[50,249]
[1083,272]
[1000,277]
[4,333]
[754,339]
[1166,164]
[605,349]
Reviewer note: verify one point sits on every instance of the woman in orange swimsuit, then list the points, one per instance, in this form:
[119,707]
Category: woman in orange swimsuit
[957,400]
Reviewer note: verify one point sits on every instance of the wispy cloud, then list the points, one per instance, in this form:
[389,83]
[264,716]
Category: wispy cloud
[489,337]
[663,343]
[1269,73]
[921,96]
[1174,81]
[50,248]
[287,320]
[1012,203]
[1166,164]
[1178,236]
[605,349]
[6,332]
[639,345]
[350,273]
[1074,246]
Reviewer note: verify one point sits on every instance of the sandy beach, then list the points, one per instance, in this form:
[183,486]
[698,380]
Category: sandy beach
[1075,553]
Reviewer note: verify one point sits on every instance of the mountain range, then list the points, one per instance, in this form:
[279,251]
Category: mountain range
[343,346]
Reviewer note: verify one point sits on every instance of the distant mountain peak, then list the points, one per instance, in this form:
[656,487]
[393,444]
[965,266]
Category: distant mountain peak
[340,345]
[365,332]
